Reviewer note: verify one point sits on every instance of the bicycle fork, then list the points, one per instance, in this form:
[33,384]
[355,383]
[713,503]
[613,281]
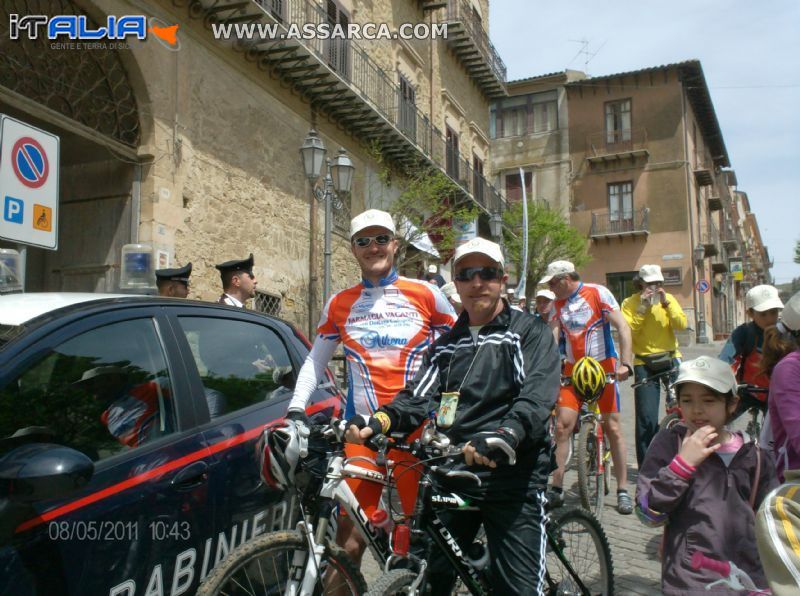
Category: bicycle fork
[307,567]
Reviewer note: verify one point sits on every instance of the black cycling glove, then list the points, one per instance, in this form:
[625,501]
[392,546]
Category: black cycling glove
[359,422]
[297,416]
[499,445]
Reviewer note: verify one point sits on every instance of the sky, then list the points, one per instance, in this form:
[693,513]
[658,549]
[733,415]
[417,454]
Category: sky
[750,53]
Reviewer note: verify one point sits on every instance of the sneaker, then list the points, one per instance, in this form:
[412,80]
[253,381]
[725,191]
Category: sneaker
[555,499]
[624,503]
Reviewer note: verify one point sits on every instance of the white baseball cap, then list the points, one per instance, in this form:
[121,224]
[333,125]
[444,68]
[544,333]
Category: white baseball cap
[708,371]
[521,297]
[480,246]
[546,294]
[790,317]
[761,298]
[557,268]
[433,269]
[371,217]
[510,291]
[449,290]
[650,274]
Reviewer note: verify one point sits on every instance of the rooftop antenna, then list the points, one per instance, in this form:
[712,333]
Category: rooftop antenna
[587,54]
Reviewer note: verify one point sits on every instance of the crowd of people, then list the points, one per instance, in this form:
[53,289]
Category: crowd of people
[488,363]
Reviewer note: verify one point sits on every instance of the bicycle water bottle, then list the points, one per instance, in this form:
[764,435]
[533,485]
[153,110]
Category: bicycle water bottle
[478,555]
[380,519]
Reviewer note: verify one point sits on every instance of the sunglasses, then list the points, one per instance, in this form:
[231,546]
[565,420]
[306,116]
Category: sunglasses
[485,273]
[380,240]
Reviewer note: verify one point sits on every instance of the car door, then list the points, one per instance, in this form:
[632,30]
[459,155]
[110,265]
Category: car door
[109,386]
[245,369]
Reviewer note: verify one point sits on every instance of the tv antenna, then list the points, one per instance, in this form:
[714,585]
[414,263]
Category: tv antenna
[588,55]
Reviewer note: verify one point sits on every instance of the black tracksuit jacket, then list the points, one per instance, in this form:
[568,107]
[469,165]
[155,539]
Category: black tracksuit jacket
[509,378]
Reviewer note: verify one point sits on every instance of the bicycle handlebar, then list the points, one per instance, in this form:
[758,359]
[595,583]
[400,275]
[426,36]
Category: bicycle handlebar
[649,378]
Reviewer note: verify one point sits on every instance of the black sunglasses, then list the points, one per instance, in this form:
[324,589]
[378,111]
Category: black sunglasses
[485,273]
[380,240]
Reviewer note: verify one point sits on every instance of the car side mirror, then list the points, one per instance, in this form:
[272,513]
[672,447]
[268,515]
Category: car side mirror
[43,471]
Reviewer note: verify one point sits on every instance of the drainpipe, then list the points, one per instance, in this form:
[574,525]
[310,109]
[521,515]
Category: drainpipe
[699,305]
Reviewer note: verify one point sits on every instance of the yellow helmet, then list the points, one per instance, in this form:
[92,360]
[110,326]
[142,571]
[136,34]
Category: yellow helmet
[588,379]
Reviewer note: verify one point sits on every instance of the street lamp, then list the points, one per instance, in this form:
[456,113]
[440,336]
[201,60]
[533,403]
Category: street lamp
[699,254]
[496,226]
[337,180]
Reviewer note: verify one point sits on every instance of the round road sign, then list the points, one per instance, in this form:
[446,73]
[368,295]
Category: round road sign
[29,161]
[702,286]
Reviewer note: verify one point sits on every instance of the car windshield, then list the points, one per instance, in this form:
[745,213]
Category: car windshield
[9,332]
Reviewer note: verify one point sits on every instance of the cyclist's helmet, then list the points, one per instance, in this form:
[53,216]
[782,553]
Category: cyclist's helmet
[282,449]
[588,379]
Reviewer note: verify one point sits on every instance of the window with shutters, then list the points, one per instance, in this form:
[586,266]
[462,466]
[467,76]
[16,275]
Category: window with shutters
[618,121]
[620,205]
[407,101]
[478,181]
[337,50]
[514,187]
[525,114]
[452,155]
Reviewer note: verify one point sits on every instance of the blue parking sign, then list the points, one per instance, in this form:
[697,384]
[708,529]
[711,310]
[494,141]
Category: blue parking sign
[13,210]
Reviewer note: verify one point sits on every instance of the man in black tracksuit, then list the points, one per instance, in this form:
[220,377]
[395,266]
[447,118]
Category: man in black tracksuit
[505,366]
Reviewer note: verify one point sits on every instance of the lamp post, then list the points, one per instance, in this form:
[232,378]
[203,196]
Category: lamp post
[337,180]
[699,254]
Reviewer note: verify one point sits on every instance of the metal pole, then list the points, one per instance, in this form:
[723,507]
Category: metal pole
[326,288]
[22,249]
[313,268]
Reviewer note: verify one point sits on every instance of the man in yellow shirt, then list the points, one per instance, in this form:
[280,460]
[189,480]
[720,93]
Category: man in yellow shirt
[653,316]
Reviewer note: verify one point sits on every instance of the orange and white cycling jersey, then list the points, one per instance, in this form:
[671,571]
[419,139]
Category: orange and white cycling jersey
[585,328]
[384,330]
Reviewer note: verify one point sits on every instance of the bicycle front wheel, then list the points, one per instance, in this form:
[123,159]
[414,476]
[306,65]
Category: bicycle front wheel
[669,421]
[579,538]
[394,583]
[591,484]
[263,566]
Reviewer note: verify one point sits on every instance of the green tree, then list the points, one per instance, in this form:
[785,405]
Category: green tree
[797,252]
[550,238]
[430,202]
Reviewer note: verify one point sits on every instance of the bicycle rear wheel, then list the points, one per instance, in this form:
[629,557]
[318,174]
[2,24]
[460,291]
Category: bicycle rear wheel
[263,565]
[393,583]
[669,421]
[580,538]
[591,484]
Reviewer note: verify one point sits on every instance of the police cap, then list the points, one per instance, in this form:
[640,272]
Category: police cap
[180,274]
[237,265]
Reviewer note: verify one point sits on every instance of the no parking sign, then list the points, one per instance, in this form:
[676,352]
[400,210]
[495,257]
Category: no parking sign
[29,160]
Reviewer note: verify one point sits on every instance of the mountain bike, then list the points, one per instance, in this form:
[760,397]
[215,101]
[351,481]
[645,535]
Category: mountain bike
[593,455]
[755,407]
[578,557]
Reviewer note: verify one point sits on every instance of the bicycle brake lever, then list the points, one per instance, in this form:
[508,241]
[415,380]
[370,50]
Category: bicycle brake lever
[459,474]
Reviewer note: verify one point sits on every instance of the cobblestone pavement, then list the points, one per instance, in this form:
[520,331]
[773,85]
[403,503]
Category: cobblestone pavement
[634,546]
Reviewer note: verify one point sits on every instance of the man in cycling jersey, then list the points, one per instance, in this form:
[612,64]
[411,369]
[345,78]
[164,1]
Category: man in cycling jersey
[743,348]
[502,364]
[384,324]
[585,313]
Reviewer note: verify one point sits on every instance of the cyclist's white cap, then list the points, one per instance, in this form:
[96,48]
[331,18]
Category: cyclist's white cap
[708,371]
[557,268]
[790,317]
[433,269]
[761,298]
[480,246]
[449,290]
[510,291]
[371,217]
[650,274]
[546,294]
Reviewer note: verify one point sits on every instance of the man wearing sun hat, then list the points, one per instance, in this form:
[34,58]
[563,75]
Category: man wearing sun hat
[585,313]
[385,323]
[493,380]
[654,317]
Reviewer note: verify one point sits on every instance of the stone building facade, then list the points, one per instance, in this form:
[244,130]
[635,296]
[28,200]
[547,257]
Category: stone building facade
[193,147]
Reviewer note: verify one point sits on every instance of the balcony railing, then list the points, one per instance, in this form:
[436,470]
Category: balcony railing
[710,239]
[340,78]
[608,224]
[467,38]
[612,145]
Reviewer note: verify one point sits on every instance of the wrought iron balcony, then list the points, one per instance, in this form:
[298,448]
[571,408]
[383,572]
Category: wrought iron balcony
[469,41]
[710,239]
[714,203]
[615,145]
[339,78]
[616,224]
[703,175]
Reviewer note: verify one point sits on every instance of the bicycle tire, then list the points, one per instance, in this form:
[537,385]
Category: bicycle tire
[591,485]
[234,572]
[584,544]
[669,421]
[393,582]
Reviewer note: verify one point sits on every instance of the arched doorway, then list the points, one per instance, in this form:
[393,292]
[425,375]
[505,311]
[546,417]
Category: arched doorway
[85,97]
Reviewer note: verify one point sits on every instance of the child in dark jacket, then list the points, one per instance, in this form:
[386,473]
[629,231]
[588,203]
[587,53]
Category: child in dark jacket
[705,482]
